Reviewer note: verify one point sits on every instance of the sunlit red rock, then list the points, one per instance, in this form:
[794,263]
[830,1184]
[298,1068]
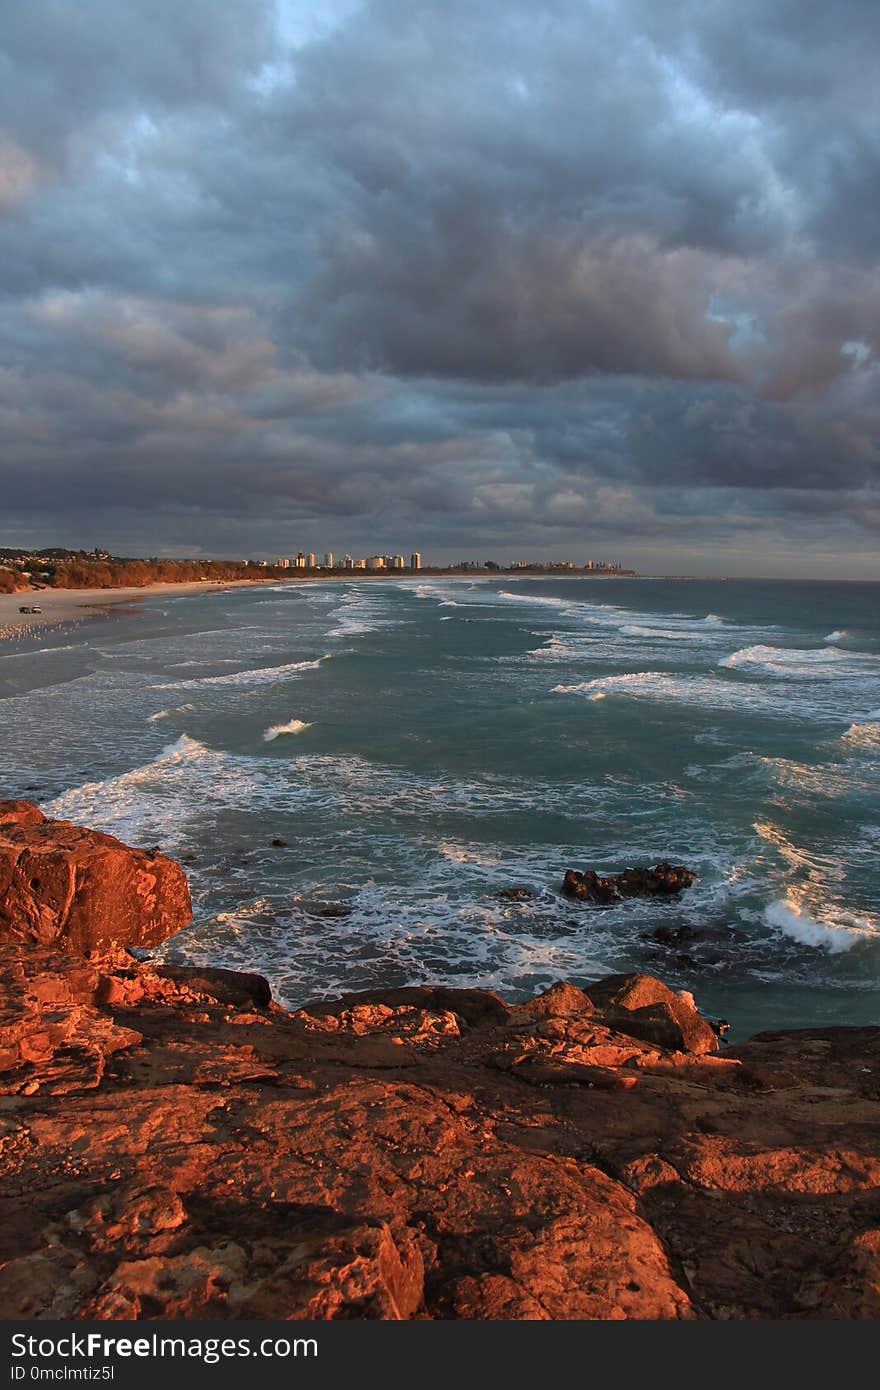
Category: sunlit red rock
[174,1145]
[60,884]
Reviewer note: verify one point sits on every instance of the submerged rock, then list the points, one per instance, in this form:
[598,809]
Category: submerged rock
[662,881]
[673,936]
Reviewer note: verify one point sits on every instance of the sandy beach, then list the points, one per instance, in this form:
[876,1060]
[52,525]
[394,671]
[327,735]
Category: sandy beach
[64,607]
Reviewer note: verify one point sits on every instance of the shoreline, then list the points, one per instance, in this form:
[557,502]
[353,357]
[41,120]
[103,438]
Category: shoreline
[64,609]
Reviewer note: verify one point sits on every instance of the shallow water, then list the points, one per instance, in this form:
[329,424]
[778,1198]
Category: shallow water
[423,744]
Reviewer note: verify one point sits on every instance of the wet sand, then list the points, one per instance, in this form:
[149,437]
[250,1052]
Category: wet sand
[67,608]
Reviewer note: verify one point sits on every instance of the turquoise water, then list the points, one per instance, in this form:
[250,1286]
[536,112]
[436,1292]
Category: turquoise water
[422,745]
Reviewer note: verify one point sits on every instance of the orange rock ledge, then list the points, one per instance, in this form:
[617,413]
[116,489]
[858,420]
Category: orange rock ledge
[175,1145]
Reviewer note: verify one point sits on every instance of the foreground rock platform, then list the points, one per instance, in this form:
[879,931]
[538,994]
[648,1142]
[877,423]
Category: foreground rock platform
[173,1145]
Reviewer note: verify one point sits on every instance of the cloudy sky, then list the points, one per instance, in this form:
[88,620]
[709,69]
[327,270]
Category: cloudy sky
[520,278]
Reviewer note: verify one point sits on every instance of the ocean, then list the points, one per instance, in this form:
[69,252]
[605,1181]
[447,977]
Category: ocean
[420,746]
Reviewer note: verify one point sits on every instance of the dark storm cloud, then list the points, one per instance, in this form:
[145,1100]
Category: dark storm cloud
[506,274]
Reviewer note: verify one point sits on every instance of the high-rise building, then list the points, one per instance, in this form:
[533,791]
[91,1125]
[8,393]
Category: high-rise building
[347,562]
[283,563]
[310,560]
[300,561]
[415,560]
[328,560]
[376,562]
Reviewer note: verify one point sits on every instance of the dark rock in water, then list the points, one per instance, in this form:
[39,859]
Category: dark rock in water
[327,909]
[279,844]
[673,936]
[719,1026]
[662,881]
[516,895]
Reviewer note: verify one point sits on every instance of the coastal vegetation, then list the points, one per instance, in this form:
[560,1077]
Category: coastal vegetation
[81,569]
[12,581]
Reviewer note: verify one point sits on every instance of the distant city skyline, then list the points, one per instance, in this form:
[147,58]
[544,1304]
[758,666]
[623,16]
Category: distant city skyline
[508,279]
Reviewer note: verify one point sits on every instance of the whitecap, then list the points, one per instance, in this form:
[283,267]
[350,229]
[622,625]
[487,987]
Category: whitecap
[167,713]
[837,935]
[262,675]
[806,662]
[863,736]
[678,634]
[293,726]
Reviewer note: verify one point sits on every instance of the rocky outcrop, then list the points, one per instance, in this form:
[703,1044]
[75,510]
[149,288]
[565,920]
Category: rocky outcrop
[175,1145]
[662,881]
[648,1009]
[60,884]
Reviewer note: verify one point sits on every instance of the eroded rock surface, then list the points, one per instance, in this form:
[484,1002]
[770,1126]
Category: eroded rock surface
[60,884]
[173,1146]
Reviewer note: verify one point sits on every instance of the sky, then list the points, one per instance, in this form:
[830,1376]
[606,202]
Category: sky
[519,279]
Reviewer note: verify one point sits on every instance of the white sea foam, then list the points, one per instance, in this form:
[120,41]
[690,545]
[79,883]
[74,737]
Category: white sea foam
[41,651]
[293,726]
[187,783]
[362,612]
[836,636]
[714,692]
[863,736]
[804,662]
[541,600]
[836,930]
[654,684]
[167,713]
[821,869]
[262,675]
[670,634]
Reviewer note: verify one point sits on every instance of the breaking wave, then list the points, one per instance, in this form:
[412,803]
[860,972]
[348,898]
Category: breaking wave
[836,930]
[262,675]
[809,662]
[293,726]
[863,736]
